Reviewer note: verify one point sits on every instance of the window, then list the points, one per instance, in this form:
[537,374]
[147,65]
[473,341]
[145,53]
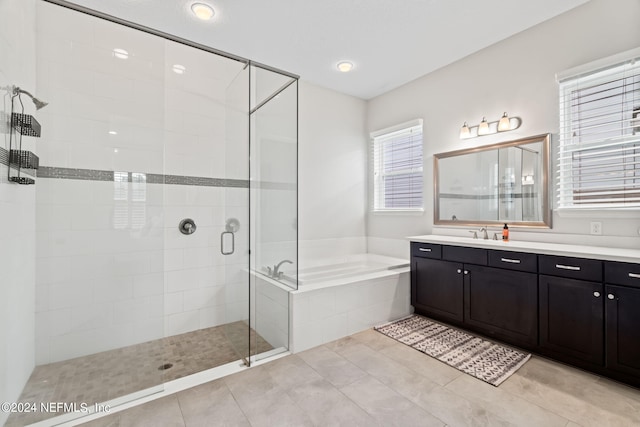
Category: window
[599,151]
[397,167]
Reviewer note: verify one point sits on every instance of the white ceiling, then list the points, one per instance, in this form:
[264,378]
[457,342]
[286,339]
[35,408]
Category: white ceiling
[391,42]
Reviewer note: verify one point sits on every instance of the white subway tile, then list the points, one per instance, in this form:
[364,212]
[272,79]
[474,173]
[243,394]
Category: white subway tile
[212,316]
[181,323]
[148,285]
[173,303]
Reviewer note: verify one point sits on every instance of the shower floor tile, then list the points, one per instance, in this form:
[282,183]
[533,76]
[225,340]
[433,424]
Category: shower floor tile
[103,376]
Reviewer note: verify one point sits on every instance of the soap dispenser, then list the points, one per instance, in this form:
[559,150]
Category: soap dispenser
[505,233]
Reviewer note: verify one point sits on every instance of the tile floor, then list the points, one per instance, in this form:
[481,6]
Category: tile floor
[368,379]
[103,376]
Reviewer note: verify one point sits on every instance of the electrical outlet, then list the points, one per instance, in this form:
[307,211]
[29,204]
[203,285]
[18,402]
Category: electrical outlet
[596,228]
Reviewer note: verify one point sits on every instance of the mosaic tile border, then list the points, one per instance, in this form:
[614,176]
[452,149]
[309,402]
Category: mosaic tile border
[151,178]
[488,196]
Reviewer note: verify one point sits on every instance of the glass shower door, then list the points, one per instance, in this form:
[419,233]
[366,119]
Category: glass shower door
[234,234]
[273,208]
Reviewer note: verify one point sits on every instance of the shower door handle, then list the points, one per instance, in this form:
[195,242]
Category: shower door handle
[233,242]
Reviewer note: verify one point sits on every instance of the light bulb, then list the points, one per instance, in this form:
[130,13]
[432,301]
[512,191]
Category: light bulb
[465,132]
[483,127]
[345,66]
[504,123]
[202,11]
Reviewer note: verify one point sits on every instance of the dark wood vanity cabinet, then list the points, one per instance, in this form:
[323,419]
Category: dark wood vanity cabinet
[571,318]
[502,304]
[571,309]
[460,287]
[581,311]
[439,293]
[622,309]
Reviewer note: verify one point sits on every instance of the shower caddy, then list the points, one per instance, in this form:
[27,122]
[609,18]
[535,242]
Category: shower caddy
[19,159]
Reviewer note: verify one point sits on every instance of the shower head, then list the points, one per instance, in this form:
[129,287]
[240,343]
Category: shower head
[38,103]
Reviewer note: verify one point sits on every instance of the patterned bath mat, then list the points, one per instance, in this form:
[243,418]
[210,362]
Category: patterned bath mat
[479,358]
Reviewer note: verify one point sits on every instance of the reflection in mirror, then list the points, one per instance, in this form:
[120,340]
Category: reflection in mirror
[495,184]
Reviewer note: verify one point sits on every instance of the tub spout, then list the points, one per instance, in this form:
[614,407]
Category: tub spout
[277,274]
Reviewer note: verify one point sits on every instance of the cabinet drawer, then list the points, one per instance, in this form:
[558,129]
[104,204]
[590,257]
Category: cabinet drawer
[514,261]
[426,250]
[573,268]
[622,273]
[467,255]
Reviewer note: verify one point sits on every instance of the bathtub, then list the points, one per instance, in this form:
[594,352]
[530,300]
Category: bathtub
[342,296]
[345,270]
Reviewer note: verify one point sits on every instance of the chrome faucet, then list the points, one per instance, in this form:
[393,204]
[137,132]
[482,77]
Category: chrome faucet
[486,235]
[276,273]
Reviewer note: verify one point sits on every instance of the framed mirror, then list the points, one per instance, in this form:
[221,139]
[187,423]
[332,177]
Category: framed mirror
[495,184]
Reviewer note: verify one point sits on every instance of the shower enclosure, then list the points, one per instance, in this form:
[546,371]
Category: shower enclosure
[167,184]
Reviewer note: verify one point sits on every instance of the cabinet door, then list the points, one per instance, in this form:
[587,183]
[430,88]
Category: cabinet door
[623,329]
[502,303]
[571,319]
[436,288]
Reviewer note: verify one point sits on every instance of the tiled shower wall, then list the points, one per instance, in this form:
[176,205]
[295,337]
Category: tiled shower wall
[17,207]
[112,267]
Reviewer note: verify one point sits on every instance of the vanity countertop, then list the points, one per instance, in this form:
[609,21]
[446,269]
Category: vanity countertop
[579,251]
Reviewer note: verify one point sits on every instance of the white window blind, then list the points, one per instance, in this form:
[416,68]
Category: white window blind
[599,150]
[397,168]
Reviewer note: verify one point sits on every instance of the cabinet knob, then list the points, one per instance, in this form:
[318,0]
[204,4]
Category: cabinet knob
[596,294]
[466,272]
[611,296]
[459,271]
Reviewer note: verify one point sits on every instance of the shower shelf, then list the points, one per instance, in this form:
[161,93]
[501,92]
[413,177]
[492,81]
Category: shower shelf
[23,180]
[24,159]
[25,124]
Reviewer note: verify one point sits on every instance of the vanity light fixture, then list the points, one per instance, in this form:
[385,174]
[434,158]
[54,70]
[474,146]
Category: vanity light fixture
[120,53]
[345,66]
[505,124]
[202,11]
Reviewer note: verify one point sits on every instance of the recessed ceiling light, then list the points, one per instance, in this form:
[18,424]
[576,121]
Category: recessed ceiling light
[120,53]
[113,132]
[345,66]
[179,69]
[115,150]
[202,11]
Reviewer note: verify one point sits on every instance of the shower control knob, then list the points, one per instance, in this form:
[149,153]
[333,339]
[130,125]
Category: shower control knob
[187,226]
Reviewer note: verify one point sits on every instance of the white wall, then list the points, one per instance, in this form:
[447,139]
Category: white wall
[517,76]
[332,164]
[17,209]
